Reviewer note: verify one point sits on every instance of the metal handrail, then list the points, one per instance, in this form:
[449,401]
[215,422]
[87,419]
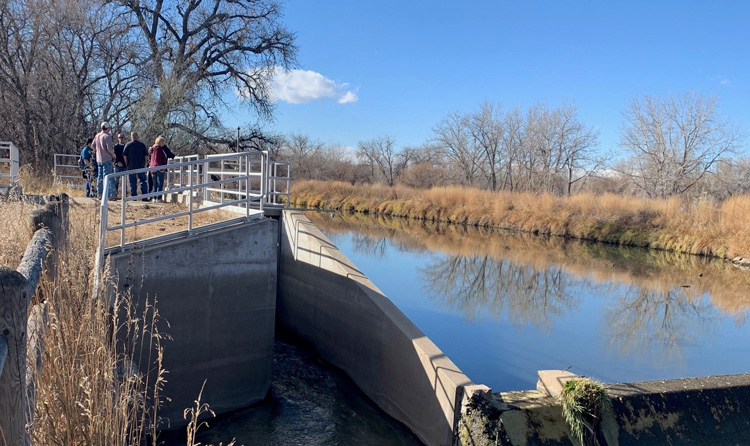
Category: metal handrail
[191,166]
[273,192]
[177,179]
[61,160]
[12,160]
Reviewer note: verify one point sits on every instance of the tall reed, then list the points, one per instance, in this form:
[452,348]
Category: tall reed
[698,227]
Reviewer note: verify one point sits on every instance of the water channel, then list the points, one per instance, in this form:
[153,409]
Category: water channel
[502,306]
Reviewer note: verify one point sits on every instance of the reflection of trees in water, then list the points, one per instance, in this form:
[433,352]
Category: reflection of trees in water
[477,285]
[375,246]
[529,280]
[642,322]
[657,324]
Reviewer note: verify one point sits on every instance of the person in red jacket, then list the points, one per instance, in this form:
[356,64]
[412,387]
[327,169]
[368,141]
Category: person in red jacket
[159,154]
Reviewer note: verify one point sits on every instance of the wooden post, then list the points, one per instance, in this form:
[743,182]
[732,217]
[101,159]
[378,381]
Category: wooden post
[13,299]
[35,261]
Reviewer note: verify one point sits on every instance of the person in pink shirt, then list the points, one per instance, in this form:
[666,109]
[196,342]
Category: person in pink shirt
[105,154]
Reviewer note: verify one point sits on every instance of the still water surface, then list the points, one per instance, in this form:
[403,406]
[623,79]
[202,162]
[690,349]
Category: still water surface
[503,306]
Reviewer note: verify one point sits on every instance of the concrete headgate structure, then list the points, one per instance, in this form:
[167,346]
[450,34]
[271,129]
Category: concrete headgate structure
[222,287]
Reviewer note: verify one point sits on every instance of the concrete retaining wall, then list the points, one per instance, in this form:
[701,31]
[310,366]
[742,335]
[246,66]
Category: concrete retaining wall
[708,411]
[327,301]
[217,290]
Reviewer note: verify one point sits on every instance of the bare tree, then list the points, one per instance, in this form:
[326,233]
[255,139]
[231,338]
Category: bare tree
[380,155]
[423,167]
[576,144]
[486,131]
[303,154]
[453,137]
[512,143]
[198,49]
[674,142]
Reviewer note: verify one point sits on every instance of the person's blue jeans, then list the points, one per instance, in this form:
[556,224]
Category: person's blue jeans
[158,182]
[136,178]
[118,180]
[89,174]
[105,169]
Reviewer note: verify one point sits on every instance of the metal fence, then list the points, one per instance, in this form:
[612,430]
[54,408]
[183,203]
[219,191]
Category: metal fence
[178,177]
[279,182]
[241,172]
[8,163]
[67,172]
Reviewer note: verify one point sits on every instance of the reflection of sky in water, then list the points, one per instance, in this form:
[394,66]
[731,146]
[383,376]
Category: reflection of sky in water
[501,322]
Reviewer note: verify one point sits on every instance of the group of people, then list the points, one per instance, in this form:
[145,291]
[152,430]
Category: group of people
[100,157]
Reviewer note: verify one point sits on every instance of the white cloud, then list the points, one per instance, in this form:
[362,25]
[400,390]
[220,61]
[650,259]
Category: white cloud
[303,86]
[725,81]
[348,97]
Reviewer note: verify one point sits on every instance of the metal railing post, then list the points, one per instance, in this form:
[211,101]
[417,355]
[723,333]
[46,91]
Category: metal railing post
[247,186]
[263,178]
[122,212]
[190,201]
[103,223]
[14,164]
[221,186]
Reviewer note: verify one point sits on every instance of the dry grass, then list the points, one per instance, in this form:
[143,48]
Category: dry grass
[699,227]
[15,231]
[87,391]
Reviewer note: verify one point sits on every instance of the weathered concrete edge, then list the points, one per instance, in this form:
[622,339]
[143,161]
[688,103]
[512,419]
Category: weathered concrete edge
[698,411]
[450,387]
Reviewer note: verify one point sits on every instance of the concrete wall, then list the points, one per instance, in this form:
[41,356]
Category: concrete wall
[217,290]
[706,411]
[326,300]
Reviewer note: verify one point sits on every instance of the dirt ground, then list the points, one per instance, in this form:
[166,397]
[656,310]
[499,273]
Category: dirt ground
[138,211]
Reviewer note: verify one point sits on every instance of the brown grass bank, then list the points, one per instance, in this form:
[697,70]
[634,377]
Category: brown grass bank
[86,392]
[700,227]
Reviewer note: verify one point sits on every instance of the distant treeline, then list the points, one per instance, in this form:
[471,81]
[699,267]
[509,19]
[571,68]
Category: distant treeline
[671,146]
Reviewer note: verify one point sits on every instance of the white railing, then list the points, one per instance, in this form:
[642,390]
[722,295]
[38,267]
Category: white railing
[8,163]
[178,177]
[217,167]
[277,186]
[210,185]
[279,182]
[67,172]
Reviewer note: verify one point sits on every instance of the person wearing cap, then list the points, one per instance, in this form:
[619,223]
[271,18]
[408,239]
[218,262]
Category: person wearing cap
[105,155]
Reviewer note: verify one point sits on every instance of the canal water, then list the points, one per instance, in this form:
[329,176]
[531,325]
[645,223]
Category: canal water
[310,403]
[503,306]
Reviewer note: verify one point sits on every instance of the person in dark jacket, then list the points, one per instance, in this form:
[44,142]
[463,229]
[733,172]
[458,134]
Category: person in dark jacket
[120,165]
[135,155]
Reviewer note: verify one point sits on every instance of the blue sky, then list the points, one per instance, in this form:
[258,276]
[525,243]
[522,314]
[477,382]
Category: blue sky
[396,68]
